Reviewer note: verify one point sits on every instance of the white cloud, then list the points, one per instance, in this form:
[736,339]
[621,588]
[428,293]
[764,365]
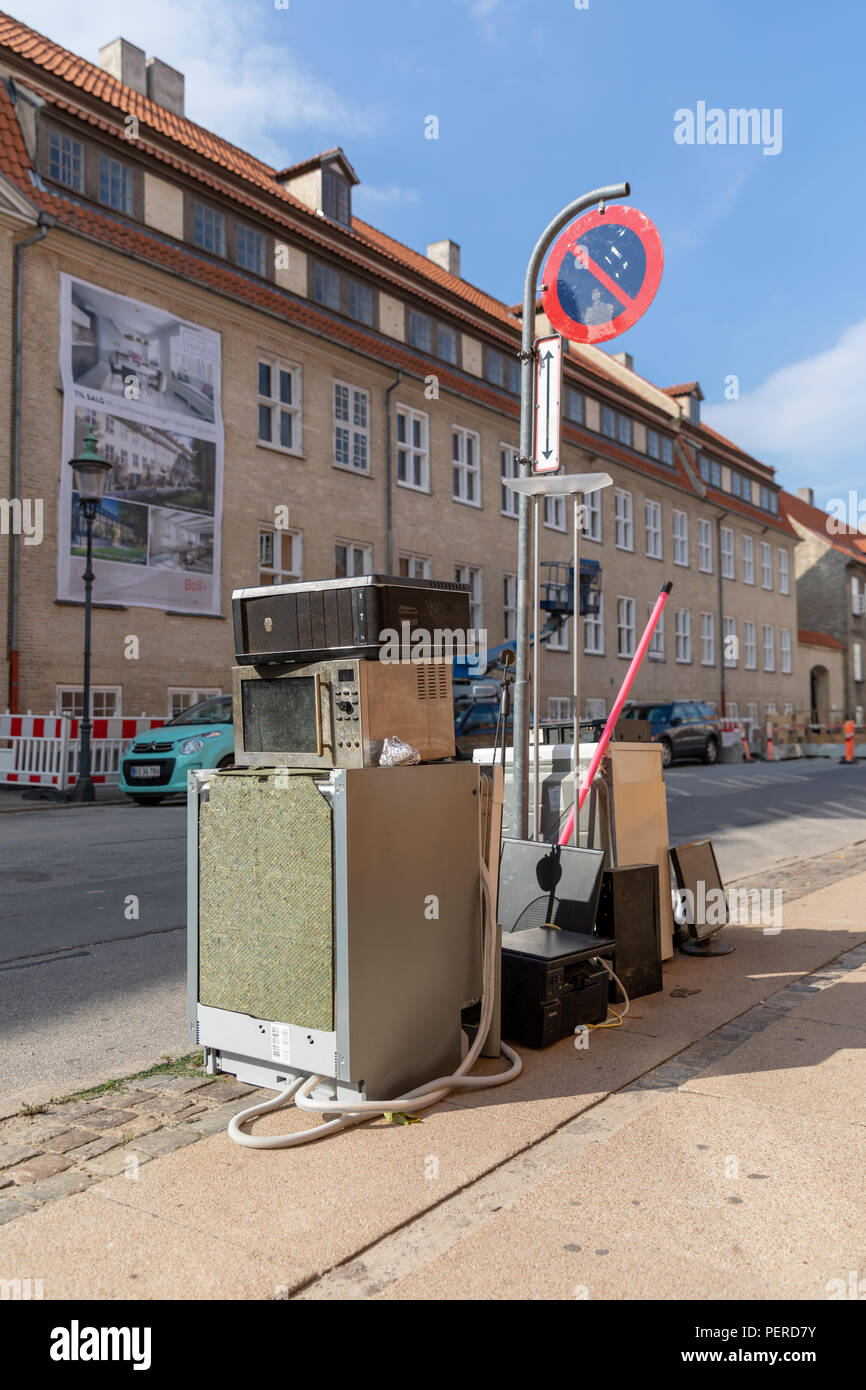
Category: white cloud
[815,407]
[241,78]
[366,195]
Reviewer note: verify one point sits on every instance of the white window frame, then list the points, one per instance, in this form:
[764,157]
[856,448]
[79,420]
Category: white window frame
[508,468]
[415,563]
[857,660]
[473,575]
[351,548]
[784,560]
[626,620]
[858,596]
[559,640]
[596,708]
[729,629]
[69,154]
[465,476]
[509,605]
[177,706]
[652,518]
[705,546]
[410,453]
[592,516]
[554,513]
[278,574]
[656,648]
[708,639]
[559,708]
[593,631]
[95,691]
[728,562]
[356,434]
[769,646]
[680,525]
[683,636]
[747,556]
[766,565]
[786,663]
[624,518]
[750,645]
[277,407]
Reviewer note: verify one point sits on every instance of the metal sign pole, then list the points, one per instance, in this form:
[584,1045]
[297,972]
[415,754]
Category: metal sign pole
[536,665]
[576,639]
[521,684]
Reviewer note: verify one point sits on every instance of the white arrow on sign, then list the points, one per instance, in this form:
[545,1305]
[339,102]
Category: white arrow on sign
[548,404]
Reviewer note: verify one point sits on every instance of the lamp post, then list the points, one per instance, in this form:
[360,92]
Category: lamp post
[91,473]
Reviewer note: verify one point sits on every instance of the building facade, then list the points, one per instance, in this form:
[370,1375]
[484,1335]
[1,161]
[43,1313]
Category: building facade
[284,391]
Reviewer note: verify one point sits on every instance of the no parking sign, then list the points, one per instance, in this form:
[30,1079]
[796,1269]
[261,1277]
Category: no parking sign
[602,274]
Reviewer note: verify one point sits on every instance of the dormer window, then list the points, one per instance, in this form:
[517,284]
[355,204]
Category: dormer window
[695,410]
[324,183]
[336,202]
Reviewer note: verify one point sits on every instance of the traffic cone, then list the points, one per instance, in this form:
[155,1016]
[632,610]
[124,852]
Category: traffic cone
[849,740]
[769,742]
[748,755]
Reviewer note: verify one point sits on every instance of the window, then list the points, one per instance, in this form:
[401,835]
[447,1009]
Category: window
[181,698]
[494,367]
[729,628]
[280,557]
[652,444]
[592,515]
[624,513]
[737,484]
[208,229]
[625,635]
[574,405]
[251,250]
[748,553]
[596,709]
[352,559]
[858,596]
[593,630]
[785,650]
[554,513]
[733,709]
[508,469]
[326,286]
[623,429]
[66,161]
[105,701]
[115,184]
[766,565]
[608,422]
[559,707]
[784,572]
[857,654]
[653,529]
[727,548]
[361,306]
[751,655]
[351,427]
[667,450]
[683,634]
[413,448]
[336,201]
[558,640]
[509,605]
[420,331]
[715,473]
[705,546]
[279,404]
[515,374]
[708,639]
[415,566]
[446,343]
[466,467]
[471,576]
[704,468]
[656,648]
[681,538]
[769,648]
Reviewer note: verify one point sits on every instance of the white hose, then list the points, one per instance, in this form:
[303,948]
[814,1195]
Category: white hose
[420,1098]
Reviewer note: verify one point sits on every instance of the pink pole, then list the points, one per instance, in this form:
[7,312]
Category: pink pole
[609,727]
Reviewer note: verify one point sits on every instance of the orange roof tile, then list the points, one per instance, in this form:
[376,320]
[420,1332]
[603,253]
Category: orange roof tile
[842,538]
[819,639]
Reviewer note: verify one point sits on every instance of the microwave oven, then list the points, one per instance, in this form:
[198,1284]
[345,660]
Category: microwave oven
[330,714]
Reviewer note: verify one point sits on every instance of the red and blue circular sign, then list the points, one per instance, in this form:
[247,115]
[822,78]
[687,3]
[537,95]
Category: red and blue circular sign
[602,274]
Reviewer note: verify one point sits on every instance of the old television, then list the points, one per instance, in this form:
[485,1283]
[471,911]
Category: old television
[699,886]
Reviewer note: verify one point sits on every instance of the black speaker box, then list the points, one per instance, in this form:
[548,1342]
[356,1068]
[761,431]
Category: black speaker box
[628,911]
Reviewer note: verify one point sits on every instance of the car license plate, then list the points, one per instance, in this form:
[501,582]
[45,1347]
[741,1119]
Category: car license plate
[143,771]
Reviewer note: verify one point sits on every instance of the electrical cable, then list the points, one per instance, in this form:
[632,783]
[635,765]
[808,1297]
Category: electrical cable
[617,1020]
[300,1089]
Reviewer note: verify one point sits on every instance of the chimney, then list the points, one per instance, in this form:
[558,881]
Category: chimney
[625,359]
[165,85]
[806,494]
[445,254]
[121,59]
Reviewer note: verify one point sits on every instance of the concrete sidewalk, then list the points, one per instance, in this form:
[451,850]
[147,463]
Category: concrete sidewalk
[711,1147]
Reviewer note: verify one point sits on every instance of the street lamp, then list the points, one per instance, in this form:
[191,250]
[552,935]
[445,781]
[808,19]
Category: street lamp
[91,473]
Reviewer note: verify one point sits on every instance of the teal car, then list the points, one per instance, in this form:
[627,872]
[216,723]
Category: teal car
[155,764]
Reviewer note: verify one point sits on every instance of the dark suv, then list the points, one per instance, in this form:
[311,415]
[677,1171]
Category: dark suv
[684,728]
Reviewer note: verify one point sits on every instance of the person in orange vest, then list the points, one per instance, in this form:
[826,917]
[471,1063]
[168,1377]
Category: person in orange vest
[849,740]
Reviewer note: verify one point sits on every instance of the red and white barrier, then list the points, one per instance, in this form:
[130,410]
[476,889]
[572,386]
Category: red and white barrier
[42,750]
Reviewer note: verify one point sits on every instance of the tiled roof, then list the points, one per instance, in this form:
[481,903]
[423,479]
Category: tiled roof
[819,639]
[685,389]
[738,506]
[741,454]
[845,539]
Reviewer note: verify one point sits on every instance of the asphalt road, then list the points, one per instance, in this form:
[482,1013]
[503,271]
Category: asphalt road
[86,987]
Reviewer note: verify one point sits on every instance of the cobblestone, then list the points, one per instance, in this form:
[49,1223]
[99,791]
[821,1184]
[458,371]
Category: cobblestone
[42,1166]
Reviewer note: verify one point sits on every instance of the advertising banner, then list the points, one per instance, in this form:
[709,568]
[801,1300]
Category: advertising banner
[148,384]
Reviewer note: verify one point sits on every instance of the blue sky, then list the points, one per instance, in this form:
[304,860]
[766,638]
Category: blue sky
[539,101]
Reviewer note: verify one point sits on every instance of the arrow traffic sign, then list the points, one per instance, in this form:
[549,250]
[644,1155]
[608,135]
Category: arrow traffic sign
[548,401]
[602,274]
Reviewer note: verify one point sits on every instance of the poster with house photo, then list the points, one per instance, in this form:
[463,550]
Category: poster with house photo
[148,385]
